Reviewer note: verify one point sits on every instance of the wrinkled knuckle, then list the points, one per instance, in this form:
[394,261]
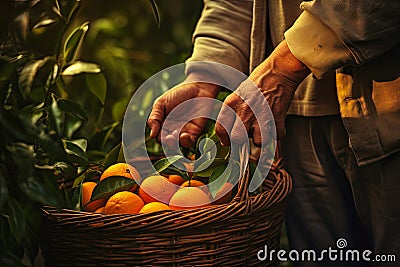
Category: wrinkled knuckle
[232,100]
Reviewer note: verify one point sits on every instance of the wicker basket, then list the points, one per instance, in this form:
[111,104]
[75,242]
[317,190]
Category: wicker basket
[220,235]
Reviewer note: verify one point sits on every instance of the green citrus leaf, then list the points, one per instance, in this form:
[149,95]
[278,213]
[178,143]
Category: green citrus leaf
[212,165]
[44,23]
[72,107]
[221,175]
[164,163]
[28,74]
[97,84]
[155,12]
[175,170]
[77,198]
[110,186]
[79,67]
[217,179]
[74,42]
[76,150]
[57,117]
[88,174]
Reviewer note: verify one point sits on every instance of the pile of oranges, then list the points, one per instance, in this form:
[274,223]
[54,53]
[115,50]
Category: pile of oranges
[154,193]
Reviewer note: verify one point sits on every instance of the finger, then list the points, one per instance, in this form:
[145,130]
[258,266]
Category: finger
[257,138]
[243,122]
[226,119]
[187,140]
[262,135]
[156,118]
[239,132]
[154,128]
[170,141]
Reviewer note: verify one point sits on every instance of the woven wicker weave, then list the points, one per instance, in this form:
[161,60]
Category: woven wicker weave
[220,235]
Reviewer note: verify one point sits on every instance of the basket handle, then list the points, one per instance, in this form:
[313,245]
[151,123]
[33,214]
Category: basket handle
[244,182]
[243,185]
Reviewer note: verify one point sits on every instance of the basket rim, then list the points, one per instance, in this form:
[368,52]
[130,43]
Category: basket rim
[179,219]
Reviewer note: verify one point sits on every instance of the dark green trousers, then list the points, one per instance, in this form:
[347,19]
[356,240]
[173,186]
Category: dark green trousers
[335,199]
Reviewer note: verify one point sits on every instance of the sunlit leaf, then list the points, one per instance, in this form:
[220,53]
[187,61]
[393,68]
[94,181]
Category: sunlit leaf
[79,67]
[75,151]
[74,42]
[44,23]
[110,186]
[97,84]
[155,12]
[164,163]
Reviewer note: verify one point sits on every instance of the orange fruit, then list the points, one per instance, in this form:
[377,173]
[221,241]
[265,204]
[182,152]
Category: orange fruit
[153,206]
[176,179]
[189,198]
[121,169]
[196,183]
[123,202]
[100,210]
[224,194]
[87,189]
[156,188]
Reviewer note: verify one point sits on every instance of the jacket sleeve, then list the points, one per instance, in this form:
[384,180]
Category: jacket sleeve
[222,34]
[332,34]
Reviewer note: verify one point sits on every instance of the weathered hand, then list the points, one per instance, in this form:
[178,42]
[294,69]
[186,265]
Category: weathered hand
[275,79]
[171,99]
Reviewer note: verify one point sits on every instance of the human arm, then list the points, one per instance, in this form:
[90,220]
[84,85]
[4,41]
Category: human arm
[332,34]
[276,80]
[221,35]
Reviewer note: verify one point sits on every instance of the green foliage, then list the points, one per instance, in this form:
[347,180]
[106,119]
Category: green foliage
[67,71]
[110,186]
[53,133]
